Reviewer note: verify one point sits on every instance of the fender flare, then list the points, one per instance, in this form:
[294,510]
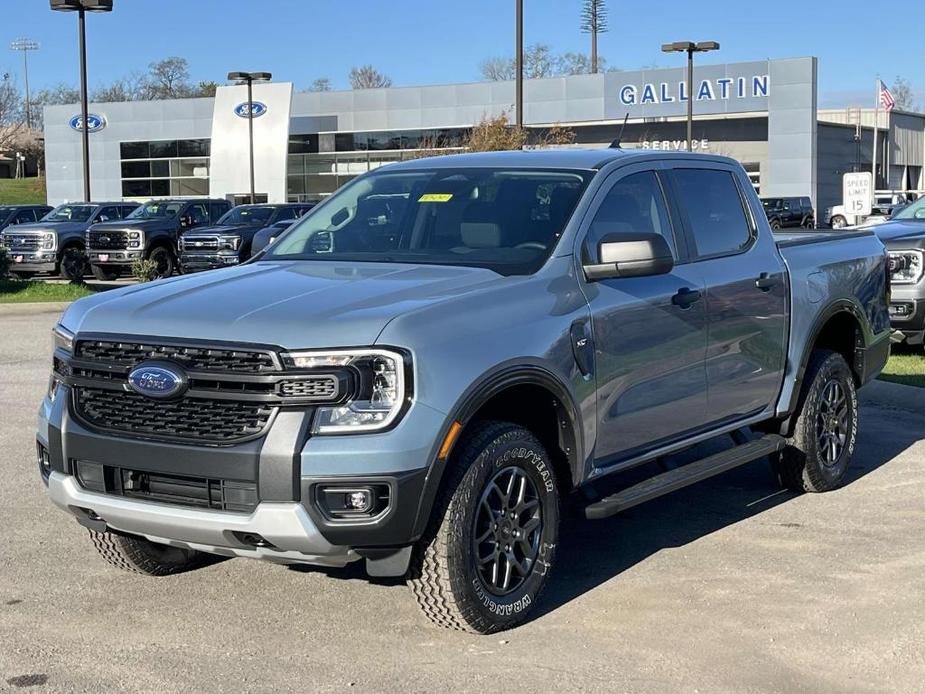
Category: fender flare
[490,384]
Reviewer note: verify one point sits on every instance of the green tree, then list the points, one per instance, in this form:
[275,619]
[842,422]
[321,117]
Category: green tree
[594,22]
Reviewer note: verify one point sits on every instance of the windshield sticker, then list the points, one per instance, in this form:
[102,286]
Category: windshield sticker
[436,197]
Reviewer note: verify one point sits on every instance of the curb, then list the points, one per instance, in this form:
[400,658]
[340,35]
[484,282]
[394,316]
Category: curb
[894,396]
[33,308]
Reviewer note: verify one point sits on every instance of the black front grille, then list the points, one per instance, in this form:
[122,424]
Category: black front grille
[22,242]
[107,240]
[317,388]
[192,357]
[199,243]
[191,419]
[199,492]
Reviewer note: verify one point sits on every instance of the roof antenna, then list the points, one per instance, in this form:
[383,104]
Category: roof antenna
[616,143]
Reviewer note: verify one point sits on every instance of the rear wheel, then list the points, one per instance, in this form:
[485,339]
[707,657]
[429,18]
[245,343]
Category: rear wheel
[775,224]
[138,555]
[103,273]
[485,558]
[163,258]
[820,449]
[809,223]
[73,265]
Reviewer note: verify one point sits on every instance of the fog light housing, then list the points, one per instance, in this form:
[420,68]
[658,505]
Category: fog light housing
[354,502]
[43,459]
[91,476]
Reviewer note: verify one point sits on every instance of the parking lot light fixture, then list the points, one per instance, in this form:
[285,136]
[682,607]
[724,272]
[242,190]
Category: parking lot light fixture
[690,48]
[81,7]
[249,78]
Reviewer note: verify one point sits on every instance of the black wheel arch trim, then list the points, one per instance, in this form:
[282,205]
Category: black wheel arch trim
[493,382]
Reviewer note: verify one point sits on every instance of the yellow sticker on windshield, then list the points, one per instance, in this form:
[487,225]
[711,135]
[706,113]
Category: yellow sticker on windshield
[436,197]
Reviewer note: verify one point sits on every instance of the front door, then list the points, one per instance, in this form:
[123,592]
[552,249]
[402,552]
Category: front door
[746,289]
[649,332]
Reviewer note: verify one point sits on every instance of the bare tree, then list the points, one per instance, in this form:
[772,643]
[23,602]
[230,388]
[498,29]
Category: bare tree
[903,94]
[169,79]
[578,64]
[594,22]
[11,113]
[368,77]
[496,134]
[133,87]
[321,84]
[539,62]
[498,69]
[206,88]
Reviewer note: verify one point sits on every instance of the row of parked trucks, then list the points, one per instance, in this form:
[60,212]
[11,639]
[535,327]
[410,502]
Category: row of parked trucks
[106,238]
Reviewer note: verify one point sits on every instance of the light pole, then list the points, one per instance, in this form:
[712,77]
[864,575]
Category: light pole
[82,7]
[519,61]
[690,48]
[26,45]
[249,78]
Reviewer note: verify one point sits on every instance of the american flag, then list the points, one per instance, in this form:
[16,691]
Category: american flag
[886,99]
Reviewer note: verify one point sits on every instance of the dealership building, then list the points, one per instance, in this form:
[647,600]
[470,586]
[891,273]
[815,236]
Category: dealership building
[307,144]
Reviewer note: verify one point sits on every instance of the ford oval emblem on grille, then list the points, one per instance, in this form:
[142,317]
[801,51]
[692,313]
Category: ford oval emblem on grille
[159,380]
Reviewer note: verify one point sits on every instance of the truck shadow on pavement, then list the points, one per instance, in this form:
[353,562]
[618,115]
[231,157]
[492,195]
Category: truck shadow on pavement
[593,552]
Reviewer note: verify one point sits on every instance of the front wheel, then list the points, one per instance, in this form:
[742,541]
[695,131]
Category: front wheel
[104,274]
[73,265]
[141,556]
[487,553]
[839,222]
[775,224]
[163,259]
[820,449]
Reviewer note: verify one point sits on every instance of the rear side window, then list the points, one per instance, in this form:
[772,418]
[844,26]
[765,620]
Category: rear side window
[285,213]
[714,208]
[634,205]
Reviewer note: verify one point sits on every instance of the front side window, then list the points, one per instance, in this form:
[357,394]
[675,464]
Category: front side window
[634,205]
[915,211]
[505,220]
[714,208]
[69,213]
[156,210]
[24,217]
[197,214]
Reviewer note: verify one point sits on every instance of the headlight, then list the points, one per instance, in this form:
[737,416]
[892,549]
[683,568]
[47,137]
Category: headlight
[229,243]
[906,267]
[136,239]
[63,339]
[49,241]
[381,392]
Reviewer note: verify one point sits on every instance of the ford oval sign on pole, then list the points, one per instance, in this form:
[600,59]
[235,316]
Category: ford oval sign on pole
[95,123]
[254,109]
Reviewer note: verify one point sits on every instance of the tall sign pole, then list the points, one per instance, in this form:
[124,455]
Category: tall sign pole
[26,45]
[519,107]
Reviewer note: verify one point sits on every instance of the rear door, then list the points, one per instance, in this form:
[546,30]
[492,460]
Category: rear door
[649,332]
[746,291]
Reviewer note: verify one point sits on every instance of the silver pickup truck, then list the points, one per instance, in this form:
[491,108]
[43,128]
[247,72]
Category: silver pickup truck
[429,365]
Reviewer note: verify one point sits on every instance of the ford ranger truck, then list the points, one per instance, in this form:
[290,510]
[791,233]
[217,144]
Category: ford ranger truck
[148,233]
[56,243]
[425,389]
[230,241]
[904,238]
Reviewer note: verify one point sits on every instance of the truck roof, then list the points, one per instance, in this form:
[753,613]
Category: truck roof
[563,158]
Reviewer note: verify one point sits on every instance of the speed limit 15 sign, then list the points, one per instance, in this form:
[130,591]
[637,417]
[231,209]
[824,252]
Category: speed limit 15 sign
[857,193]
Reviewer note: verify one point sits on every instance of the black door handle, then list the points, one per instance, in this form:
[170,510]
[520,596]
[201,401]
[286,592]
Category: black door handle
[765,282]
[685,298]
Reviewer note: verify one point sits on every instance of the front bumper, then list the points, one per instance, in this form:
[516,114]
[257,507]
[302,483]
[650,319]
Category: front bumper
[287,467]
[114,257]
[907,313]
[196,262]
[32,261]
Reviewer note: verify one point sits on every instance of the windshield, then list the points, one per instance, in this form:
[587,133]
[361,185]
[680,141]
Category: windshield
[915,211]
[5,212]
[506,220]
[69,213]
[156,210]
[243,215]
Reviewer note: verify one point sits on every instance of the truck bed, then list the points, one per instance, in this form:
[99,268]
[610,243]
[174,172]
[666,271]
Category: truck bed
[790,238]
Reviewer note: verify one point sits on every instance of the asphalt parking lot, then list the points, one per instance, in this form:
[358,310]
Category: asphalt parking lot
[729,586]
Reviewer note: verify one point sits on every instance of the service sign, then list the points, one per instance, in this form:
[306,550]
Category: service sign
[94,123]
[857,193]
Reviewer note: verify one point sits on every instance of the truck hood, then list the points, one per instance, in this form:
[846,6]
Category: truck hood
[292,304]
[222,229]
[56,227]
[900,229]
[140,224]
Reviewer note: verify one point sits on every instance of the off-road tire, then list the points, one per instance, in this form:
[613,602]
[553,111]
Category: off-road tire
[142,556]
[104,274]
[73,264]
[444,577]
[803,466]
[164,259]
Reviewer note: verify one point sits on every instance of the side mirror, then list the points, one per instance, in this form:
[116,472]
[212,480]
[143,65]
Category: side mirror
[630,255]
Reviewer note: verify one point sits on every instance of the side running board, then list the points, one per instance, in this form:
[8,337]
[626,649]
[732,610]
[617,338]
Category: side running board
[684,476]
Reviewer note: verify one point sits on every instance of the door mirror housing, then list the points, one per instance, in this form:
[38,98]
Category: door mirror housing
[630,255]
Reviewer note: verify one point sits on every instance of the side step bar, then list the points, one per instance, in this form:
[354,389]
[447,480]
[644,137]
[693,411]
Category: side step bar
[684,476]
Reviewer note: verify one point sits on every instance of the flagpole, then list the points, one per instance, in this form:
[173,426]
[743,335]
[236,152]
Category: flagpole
[873,166]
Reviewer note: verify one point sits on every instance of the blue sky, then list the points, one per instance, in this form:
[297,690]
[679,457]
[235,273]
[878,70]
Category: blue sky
[418,42]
